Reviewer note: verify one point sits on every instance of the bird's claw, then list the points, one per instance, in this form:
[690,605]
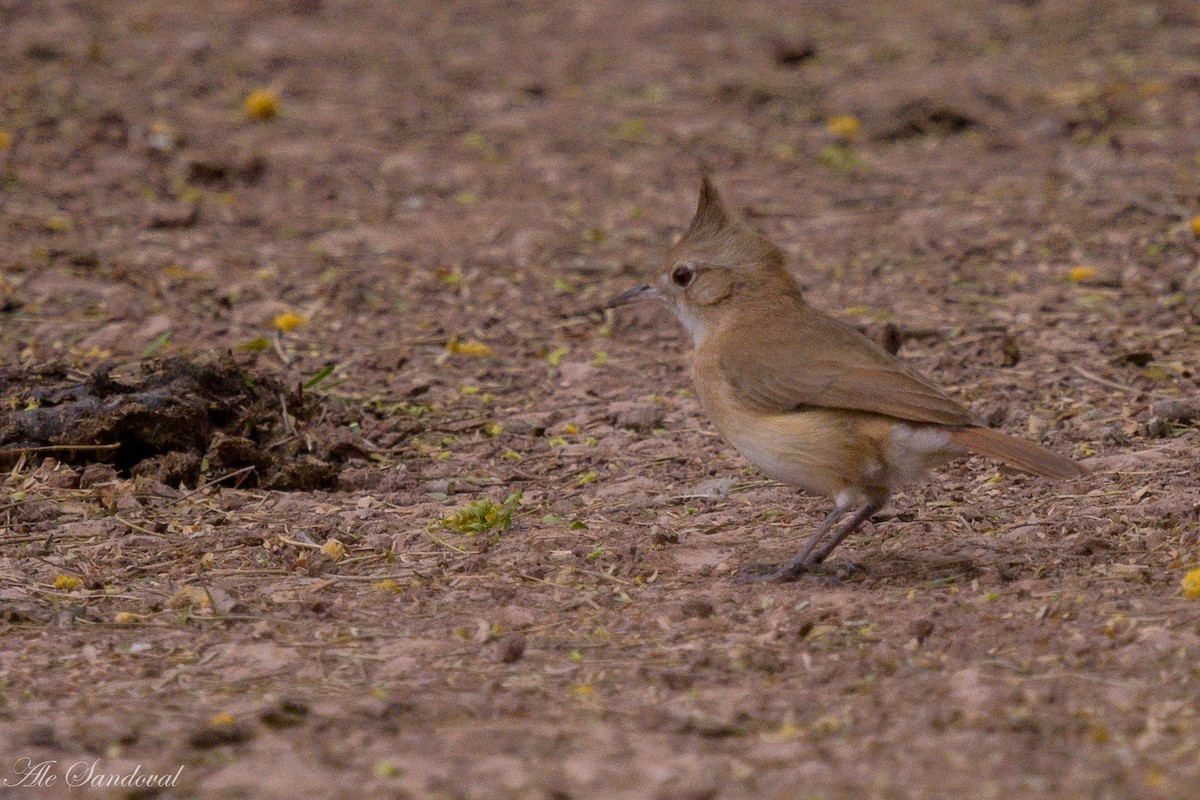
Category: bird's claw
[844,569]
[786,573]
[770,573]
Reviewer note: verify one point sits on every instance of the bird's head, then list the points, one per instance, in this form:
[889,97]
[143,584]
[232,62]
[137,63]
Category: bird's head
[716,268]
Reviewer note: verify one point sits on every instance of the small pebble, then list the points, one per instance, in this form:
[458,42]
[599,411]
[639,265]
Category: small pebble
[512,647]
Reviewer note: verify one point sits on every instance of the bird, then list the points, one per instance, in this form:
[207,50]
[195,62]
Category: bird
[805,397]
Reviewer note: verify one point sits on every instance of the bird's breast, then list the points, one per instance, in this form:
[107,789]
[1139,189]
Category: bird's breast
[816,450]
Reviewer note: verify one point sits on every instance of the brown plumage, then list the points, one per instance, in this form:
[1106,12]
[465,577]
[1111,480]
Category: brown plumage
[1016,452]
[806,398]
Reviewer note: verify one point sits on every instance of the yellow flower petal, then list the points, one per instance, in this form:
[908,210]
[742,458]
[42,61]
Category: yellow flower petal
[191,597]
[1191,584]
[386,585]
[333,550]
[288,322]
[261,104]
[844,126]
[1080,274]
[67,583]
[467,347]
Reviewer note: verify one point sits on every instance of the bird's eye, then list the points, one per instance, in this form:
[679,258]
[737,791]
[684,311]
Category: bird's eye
[683,275]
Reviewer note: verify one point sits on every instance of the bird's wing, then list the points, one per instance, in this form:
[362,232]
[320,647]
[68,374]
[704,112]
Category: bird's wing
[818,361]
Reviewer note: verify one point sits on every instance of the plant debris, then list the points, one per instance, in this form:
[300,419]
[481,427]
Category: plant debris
[483,516]
[176,419]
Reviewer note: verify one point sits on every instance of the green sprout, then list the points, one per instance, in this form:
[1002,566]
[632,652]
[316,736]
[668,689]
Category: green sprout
[482,516]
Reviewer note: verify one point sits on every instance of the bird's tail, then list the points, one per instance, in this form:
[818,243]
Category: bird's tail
[1019,453]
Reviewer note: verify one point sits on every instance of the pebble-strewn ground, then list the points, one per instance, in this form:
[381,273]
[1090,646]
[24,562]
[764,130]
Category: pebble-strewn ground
[447,193]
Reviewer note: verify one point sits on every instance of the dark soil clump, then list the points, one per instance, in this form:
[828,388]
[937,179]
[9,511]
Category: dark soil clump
[177,420]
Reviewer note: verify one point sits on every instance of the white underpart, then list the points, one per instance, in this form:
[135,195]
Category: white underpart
[913,451]
[849,498]
[692,322]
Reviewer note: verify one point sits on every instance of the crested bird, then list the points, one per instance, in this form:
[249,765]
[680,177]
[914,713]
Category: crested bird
[806,398]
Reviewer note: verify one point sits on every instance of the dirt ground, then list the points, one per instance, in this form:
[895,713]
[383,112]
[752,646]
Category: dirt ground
[413,251]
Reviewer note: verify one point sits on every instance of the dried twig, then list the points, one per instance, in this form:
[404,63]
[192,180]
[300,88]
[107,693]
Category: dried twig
[1091,376]
[53,448]
[209,484]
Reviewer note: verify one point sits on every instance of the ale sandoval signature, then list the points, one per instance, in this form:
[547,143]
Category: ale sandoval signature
[29,773]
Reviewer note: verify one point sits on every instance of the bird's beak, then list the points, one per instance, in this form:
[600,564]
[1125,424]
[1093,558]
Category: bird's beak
[632,296]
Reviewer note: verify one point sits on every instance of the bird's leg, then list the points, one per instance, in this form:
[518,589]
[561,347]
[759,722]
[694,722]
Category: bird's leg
[770,572]
[860,516]
[830,520]
[806,559]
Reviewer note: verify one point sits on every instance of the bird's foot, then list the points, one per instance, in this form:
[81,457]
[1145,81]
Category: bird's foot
[785,573]
[844,569]
[770,573]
